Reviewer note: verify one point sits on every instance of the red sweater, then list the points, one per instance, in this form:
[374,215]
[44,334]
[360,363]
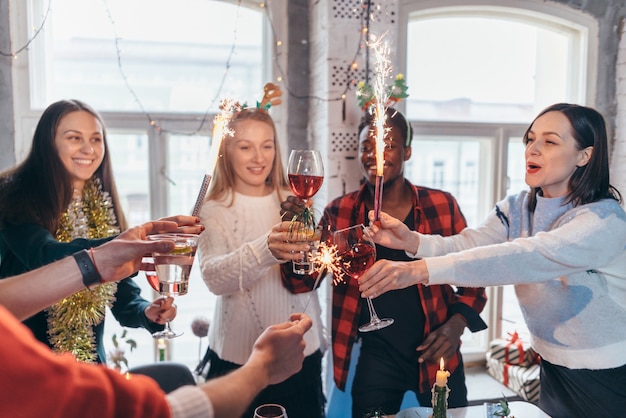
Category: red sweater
[36,382]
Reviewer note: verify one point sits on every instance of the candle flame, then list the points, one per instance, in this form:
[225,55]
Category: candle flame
[441,364]
[127,375]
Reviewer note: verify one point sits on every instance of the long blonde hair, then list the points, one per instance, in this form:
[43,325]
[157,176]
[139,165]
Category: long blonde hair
[223,181]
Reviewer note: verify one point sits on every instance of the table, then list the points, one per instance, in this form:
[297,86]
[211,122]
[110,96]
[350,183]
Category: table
[518,408]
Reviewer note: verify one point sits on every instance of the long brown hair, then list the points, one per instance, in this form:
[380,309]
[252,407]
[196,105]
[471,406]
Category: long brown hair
[223,180]
[40,189]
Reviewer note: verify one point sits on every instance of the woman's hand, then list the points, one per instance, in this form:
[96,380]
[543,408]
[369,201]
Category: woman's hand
[186,224]
[284,244]
[386,275]
[161,310]
[392,233]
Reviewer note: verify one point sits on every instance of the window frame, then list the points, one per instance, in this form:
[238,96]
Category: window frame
[585,42]
[27,116]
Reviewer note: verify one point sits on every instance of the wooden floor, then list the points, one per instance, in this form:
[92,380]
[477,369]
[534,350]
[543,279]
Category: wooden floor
[481,387]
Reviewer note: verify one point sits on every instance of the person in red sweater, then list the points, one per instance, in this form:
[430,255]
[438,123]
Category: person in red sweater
[36,382]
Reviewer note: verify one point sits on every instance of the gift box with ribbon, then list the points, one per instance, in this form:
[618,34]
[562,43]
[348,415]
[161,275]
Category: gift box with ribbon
[522,380]
[513,350]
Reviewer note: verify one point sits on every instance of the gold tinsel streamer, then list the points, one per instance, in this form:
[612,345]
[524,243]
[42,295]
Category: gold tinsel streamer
[71,321]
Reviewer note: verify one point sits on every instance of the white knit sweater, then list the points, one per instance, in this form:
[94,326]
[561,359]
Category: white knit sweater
[569,268]
[238,267]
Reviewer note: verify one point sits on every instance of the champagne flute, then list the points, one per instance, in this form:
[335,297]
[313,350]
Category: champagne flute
[306,175]
[172,271]
[355,254]
[270,411]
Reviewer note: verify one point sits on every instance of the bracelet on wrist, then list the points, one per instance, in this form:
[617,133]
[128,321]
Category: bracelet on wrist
[87,267]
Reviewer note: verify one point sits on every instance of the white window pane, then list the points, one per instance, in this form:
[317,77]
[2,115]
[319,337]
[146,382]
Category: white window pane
[453,164]
[129,157]
[516,166]
[157,55]
[188,160]
[485,69]
[512,318]
[457,165]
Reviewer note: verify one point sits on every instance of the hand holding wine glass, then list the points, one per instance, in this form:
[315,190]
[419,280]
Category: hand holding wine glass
[306,175]
[355,254]
[172,271]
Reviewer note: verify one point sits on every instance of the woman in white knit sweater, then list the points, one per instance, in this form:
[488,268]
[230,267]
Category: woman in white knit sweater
[562,244]
[240,256]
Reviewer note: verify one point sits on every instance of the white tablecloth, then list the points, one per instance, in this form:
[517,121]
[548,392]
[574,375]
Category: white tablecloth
[518,408]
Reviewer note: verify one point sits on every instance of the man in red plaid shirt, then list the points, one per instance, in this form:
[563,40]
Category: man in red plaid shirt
[429,320]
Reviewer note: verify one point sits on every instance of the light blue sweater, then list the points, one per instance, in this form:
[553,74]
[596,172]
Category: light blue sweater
[568,265]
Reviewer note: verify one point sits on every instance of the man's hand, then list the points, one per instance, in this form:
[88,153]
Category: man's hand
[280,349]
[121,257]
[290,208]
[442,342]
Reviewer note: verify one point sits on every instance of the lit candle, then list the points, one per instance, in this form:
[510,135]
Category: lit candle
[161,346]
[442,375]
[127,375]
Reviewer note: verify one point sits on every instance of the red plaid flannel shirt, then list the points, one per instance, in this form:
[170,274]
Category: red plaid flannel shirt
[436,212]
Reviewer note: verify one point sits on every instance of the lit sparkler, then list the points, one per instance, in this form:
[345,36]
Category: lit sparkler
[381,94]
[219,131]
[327,260]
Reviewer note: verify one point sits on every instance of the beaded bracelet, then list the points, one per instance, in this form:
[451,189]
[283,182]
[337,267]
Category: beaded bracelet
[87,268]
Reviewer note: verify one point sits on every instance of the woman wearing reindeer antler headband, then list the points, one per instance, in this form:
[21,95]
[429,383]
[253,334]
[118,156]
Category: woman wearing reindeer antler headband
[241,253]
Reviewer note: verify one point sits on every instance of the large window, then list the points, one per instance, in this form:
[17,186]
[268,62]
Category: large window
[156,70]
[477,76]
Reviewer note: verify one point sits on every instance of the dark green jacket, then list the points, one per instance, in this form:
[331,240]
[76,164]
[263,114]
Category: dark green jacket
[29,246]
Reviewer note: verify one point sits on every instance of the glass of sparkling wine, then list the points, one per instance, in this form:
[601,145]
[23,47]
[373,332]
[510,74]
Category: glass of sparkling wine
[172,271]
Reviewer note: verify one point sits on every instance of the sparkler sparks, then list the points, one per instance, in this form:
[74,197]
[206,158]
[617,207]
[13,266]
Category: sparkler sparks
[381,94]
[327,259]
[220,130]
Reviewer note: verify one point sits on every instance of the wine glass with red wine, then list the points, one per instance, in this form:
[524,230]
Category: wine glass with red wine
[306,175]
[355,254]
[172,271]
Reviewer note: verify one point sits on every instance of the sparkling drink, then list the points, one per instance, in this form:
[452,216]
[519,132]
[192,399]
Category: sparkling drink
[172,272]
[305,186]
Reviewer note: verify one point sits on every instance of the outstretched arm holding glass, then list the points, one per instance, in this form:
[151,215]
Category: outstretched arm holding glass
[562,243]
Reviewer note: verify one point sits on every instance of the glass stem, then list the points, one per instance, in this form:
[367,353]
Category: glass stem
[373,313]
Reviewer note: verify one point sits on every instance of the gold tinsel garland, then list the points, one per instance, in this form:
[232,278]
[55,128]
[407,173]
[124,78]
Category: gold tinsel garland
[71,321]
